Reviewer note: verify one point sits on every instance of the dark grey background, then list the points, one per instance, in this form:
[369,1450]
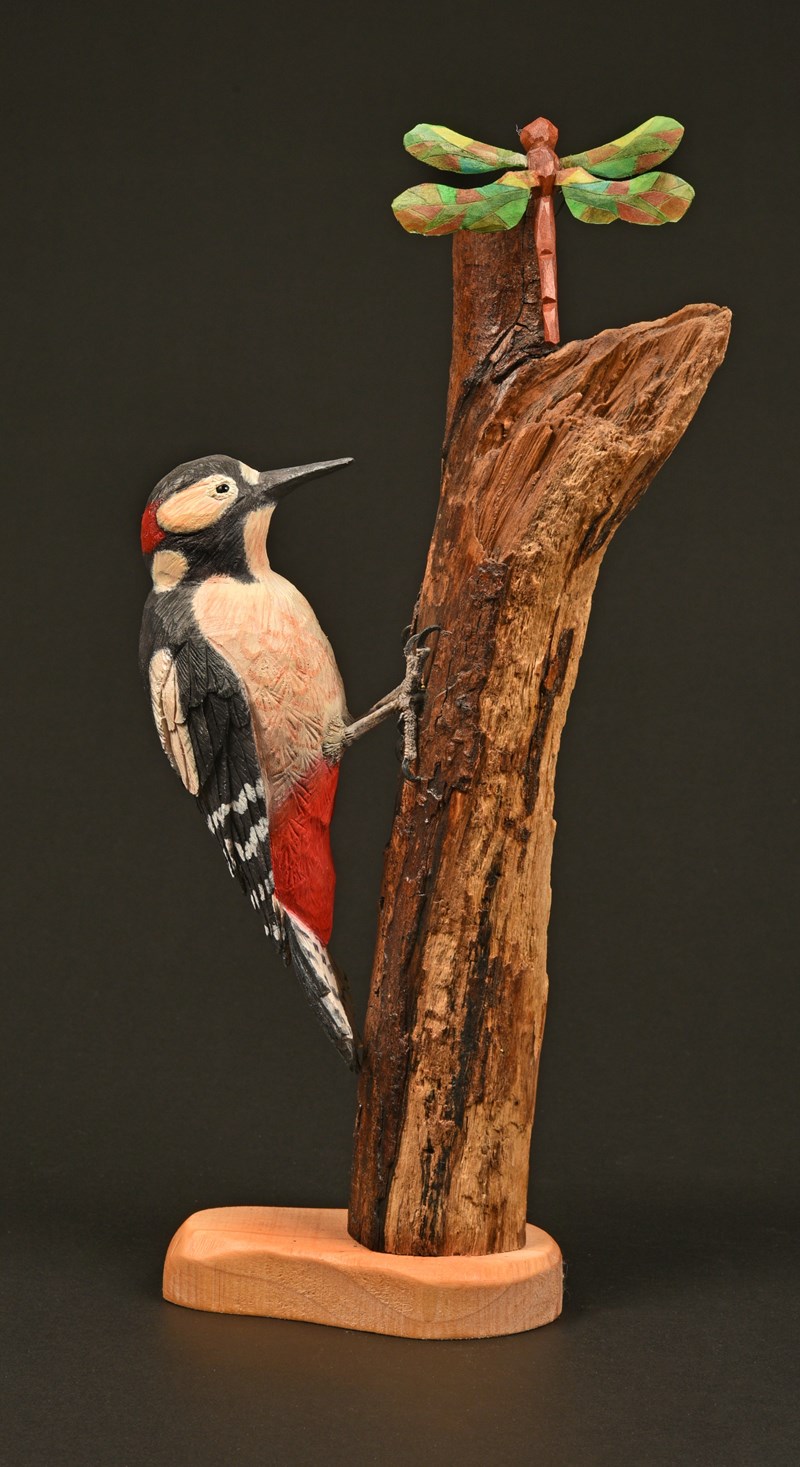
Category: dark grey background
[200,258]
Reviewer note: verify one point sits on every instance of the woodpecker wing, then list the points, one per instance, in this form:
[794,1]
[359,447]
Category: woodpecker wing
[205,729]
[203,720]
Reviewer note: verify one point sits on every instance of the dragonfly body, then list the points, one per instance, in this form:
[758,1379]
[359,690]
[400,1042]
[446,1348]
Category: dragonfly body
[539,139]
[615,181]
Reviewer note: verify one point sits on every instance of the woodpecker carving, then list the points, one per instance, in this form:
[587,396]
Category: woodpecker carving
[250,708]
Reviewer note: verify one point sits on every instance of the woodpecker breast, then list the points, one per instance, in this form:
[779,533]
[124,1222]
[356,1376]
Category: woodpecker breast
[270,636]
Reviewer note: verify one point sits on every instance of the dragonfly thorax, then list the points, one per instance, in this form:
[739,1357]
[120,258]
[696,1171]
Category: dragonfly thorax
[539,139]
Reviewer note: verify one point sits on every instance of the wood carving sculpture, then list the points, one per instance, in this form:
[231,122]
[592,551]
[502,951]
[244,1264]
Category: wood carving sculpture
[545,453]
[645,198]
[250,708]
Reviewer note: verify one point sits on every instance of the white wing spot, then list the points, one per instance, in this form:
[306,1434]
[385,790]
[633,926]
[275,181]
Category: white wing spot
[170,719]
[249,796]
[259,832]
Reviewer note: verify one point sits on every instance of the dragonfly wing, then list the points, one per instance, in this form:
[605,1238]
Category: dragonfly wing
[443,148]
[574,175]
[637,152]
[652,198]
[436,208]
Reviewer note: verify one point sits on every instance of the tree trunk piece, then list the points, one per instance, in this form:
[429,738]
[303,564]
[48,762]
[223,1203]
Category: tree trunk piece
[544,457]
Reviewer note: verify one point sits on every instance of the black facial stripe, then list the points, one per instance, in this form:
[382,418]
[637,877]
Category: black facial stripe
[217,550]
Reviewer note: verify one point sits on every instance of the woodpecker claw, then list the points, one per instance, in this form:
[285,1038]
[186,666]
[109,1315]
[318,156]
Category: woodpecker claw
[412,643]
[412,699]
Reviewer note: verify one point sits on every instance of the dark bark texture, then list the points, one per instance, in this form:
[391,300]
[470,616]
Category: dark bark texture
[545,454]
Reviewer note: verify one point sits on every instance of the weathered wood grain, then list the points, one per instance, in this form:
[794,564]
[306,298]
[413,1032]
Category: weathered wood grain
[545,455]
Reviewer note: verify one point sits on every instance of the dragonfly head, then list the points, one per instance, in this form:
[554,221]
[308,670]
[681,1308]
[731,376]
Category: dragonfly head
[538,132]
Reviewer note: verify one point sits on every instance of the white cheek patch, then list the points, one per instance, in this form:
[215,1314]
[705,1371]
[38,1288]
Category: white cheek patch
[168,569]
[197,507]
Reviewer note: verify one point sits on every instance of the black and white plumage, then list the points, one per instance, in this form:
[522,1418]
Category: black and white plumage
[203,722]
[256,747]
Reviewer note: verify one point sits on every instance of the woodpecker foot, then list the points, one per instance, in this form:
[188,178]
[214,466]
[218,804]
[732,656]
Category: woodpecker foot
[412,697]
[407,701]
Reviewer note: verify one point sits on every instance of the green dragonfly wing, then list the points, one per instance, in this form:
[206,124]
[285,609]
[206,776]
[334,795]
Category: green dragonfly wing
[637,152]
[443,148]
[436,208]
[652,198]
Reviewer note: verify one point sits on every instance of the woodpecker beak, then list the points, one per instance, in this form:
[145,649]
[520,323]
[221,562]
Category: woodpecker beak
[277,483]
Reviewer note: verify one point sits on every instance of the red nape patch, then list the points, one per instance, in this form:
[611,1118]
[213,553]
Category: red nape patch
[302,863]
[152,533]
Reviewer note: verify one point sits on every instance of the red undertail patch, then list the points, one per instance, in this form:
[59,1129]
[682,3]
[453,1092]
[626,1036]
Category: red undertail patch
[302,863]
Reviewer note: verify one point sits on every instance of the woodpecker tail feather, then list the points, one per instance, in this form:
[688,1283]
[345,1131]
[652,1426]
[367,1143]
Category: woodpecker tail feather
[325,987]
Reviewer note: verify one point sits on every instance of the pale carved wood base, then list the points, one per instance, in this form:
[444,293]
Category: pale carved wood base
[301,1263]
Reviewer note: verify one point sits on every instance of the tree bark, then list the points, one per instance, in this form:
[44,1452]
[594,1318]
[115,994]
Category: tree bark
[544,456]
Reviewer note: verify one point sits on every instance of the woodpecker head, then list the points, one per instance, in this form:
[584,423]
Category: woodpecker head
[211,517]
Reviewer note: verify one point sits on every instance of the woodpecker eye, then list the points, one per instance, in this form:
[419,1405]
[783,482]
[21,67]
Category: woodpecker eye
[196,507]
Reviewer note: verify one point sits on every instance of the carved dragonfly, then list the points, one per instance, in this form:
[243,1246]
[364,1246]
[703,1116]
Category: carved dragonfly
[615,181]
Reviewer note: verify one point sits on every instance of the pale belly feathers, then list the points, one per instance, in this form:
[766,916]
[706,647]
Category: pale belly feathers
[270,636]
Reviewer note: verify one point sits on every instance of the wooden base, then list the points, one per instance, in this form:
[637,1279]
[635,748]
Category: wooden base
[301,1263]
